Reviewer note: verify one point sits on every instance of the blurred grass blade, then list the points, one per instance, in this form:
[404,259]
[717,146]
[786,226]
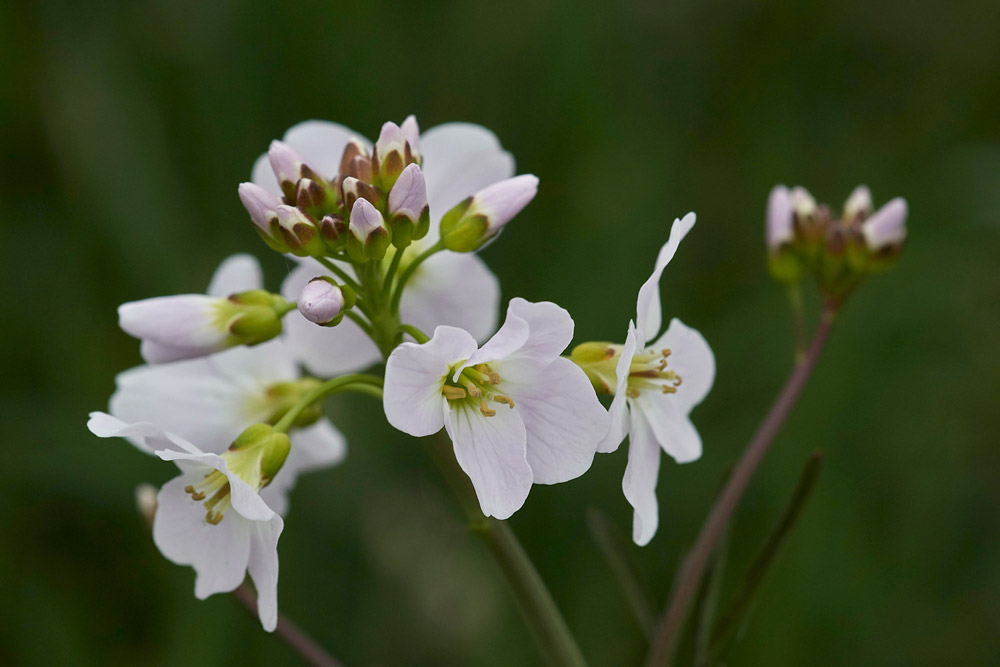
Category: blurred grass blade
[731,617]
[618,555]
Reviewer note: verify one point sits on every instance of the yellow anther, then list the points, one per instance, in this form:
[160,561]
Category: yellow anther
[667,389]
[485,410]
[453,393]
[494,378]
[213,519]
[665,352]
[197,496]
[506,400]
[632,392]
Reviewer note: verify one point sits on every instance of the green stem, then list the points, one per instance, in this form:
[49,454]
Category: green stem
[340,273]
[534,601]
[390,273]
[408,272]
[417,334]
[360,321]
[343,383]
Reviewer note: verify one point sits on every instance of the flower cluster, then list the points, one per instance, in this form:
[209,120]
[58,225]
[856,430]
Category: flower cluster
[804,237]
[383,238]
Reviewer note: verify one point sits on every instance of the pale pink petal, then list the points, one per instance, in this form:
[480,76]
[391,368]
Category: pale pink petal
[639,483]
[648,309]
[618,425]
[692,359]
[237,273]
[263,568]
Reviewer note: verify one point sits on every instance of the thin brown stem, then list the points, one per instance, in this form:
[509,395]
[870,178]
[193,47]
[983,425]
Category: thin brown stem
[305,646]
[712,530]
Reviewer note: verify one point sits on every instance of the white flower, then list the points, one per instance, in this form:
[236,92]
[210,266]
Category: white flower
[238,534]
[657,387]
[457,160]
[212,399]
[517,412]
[887,226]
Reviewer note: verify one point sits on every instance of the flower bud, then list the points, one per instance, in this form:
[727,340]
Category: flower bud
[288,167]
[299,232]
[262,206]
[802,202]
[324,302]
[353,189]
[186,326]
[859,205]
[886,228]
[780,218]
[312,197]
[411,132]
[409,214]
[354,150]
[479,218]
[369,235]
[258,450]
[392,154]
[333,229]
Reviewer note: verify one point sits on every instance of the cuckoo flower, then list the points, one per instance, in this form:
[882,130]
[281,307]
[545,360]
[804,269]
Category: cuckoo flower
[657,386]
[517,412]
[193,325]
[212,399]
[456,160]
[212,516]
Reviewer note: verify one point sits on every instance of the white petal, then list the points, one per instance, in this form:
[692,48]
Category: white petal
[550,328]
[511,337]
[459,159]
[670,425]
[327,351]
[618,425]
[692,359]
[188,398]
[562,417]
[780,217]
[237,273]
[887,226]
[313,448]
[218,553]
[648,316]
[246,501]
[491,451]
[321,144]
[155,353]
[639,483]
[452,289]
[183,322]
[263,568]
[414,375]
[145,436]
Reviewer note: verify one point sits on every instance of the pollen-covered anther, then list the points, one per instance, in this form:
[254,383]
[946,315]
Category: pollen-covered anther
[506,400]
[453,393]
[215,485]
[485,410]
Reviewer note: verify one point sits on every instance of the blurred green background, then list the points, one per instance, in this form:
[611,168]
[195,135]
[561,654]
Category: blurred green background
[125,128]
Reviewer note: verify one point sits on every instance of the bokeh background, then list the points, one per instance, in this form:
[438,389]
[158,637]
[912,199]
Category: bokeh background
[126,126]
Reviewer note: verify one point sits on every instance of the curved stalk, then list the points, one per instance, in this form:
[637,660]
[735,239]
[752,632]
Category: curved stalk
[343,383]
[714,527]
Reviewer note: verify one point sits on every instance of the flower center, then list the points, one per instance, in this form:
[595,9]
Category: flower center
[477,386]
[649,372]
[255,457]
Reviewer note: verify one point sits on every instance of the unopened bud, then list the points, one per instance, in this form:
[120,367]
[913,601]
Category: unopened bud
[310,195]
[262,206]
[256,317]
[780,218]
[479,218]
[802,202]
[288,167]
[324,302]
[354,189]
[392,154]
[333,229]
[260,450]
[369,235]
[145,501]
[299,231]
[858,206]
[887,226]
[354,149]
[411,132]
[409,214]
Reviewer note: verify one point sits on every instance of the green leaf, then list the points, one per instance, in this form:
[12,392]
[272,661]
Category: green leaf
[617,552]
[731,617]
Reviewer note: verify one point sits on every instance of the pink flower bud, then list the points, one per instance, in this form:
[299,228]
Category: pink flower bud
[260,204]
[321,301]
[859,204]
[780,218]
[365,220]
[409,195]
[411,132]
[500,202]
[887,226]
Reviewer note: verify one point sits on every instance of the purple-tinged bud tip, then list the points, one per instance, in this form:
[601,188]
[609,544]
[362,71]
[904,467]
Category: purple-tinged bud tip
[287,165]
[365,220]
[411,132]
[500,202]
[780,218]
[321,301]
[409,194]
[887,226]
[261,204]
